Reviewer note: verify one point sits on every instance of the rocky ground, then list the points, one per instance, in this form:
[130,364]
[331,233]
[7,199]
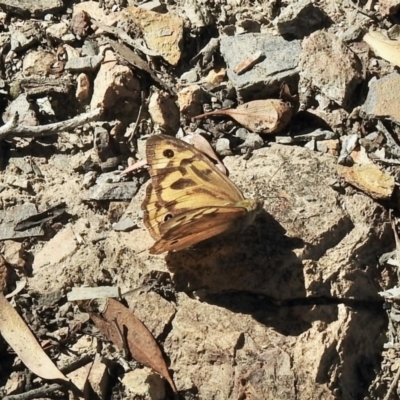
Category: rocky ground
[303,303]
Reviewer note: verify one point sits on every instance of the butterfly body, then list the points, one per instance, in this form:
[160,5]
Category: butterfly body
[189,200]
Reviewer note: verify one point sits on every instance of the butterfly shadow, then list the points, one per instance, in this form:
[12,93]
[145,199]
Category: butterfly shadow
[255,271]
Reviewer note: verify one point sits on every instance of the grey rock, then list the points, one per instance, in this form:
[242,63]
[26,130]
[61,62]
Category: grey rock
[19,42]
[108,177]
[125,224]
[57,31]
[84,64]
[113,191]
[384,97]
[352,34]
[336,80]
[36,8]
[190,76]
[198,15]
[301,18]
[349,143]
[280,63]
[22,164]
[20,183]
[252,140]
[155,5]
[26,114]
[310,145]
[321,147]
[11,216]
[89,179]
[222,147]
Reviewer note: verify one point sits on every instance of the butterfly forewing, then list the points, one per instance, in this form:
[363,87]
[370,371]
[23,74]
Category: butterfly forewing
[192,179]
[153,214]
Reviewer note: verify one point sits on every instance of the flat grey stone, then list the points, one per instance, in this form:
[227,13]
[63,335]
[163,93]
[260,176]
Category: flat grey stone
[84,64]
[36,8]
[113,191]
[300,19]
[125,224]
[10,217]
[280,63]
[383,97]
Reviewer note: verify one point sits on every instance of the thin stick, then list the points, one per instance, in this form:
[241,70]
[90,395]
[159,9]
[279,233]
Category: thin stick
[393,384]
[44,391]
[12,129]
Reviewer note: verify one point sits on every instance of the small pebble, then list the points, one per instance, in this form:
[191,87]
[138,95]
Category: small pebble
[222,147]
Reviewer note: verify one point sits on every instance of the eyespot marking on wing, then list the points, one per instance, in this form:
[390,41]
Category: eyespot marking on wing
[167,217]
[168,153]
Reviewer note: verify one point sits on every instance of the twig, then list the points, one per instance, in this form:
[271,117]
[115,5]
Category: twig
[44,391]
[393,385]
[12,129]
[135,128]
[124,37]
[396,238]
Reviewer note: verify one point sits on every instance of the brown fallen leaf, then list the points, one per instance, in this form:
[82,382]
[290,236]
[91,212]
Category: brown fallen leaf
[202,145]
[17,334]
[384,47]
[369,178]
[259,116]
[127,332]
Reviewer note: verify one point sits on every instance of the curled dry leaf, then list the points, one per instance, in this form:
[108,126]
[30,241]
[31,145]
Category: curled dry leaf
[127,332]
[202,145]
[134,167]
[17,334]
[259,116]
[383,47]
[369,178]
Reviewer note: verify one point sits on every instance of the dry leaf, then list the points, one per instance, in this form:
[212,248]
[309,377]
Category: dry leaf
[259,116]
[134,167]
[17,334]
[369,178]
[118,322]
[383,47]
[202,145]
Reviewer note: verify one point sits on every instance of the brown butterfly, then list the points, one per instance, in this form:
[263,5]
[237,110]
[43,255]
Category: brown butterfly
[189,199]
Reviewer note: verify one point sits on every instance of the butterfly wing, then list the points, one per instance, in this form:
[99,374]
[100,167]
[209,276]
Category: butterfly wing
[184,178]
[189,199]
[193,226]
[153,212]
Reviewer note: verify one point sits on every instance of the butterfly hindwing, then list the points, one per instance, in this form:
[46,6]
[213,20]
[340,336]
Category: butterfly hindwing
[197,225]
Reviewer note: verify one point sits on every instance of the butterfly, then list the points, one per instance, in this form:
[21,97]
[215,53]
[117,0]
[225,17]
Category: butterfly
[189,199]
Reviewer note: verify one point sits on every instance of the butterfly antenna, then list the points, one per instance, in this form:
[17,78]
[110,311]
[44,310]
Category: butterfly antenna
[272,177]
